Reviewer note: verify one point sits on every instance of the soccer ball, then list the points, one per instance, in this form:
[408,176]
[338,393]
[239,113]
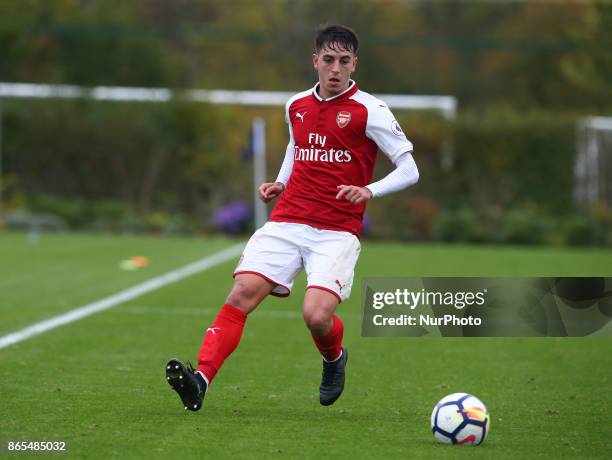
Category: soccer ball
[460,418]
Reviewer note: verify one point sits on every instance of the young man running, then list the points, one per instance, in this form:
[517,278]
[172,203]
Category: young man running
[335,130]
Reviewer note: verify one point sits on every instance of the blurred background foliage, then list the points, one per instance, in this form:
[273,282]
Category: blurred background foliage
[523,73]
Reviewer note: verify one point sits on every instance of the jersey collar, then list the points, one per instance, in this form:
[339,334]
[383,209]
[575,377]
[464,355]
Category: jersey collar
[352,89]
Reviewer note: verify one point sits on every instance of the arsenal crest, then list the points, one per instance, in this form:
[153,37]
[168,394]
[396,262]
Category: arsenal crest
[343,119]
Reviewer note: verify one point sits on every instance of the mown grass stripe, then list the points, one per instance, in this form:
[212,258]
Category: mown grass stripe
[123,296]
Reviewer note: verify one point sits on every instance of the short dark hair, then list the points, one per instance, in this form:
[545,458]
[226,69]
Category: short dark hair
[336,37]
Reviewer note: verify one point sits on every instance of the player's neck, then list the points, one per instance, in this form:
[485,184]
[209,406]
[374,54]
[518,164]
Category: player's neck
[324,95]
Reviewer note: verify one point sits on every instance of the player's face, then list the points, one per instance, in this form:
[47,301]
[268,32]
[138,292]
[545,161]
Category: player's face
[335,68]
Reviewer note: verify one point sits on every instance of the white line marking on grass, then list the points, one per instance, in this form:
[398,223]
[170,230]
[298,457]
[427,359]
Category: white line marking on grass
[123,296]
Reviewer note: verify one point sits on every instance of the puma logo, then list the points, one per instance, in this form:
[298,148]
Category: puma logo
[301,115]
[213,330]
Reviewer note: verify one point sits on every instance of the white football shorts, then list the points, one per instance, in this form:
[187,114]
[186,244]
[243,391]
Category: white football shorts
[279,250]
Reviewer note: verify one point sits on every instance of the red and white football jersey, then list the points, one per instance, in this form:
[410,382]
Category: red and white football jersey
[334,142]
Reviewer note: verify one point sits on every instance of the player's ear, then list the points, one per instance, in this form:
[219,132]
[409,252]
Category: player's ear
[355,61]
[315,59]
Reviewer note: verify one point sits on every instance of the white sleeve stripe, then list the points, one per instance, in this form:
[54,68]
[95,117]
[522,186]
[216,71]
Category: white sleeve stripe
[287,166]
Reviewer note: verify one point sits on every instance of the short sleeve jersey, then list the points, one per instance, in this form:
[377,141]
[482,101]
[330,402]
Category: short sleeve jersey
[334,142]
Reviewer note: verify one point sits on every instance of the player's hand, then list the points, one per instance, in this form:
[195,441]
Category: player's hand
[353,193]
[270,190]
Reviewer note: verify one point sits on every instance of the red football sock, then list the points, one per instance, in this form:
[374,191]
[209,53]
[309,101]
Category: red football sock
[220,340]
[330,346]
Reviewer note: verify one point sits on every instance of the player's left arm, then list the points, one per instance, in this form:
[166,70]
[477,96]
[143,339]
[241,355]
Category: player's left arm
[353,193]
[404,175]
[385,131]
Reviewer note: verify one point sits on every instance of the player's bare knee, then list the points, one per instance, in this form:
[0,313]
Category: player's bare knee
[242,296]
[317,321]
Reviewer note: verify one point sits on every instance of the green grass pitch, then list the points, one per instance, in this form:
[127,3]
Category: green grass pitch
[99,384]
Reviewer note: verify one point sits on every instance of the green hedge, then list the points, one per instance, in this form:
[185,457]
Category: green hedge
[168,167]
[509,159]
[511,181]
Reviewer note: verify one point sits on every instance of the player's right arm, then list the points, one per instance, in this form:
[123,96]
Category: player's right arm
[270,190]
